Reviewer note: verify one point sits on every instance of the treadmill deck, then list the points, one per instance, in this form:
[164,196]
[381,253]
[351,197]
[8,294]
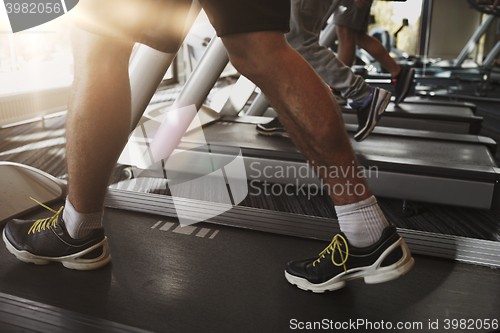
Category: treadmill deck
[418,151]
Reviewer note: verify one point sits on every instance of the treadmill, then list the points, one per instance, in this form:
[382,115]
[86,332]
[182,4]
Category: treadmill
[425,166]
[443,118]
[434,101]
[416,113]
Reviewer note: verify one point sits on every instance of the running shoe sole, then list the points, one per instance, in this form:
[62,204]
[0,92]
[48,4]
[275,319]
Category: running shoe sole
[74,261]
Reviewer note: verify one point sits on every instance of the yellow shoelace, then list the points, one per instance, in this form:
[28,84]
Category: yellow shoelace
[335,245]
[41,224]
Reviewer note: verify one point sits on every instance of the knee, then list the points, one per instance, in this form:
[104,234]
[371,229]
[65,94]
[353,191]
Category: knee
[96,53]
[252,53]
[245,64]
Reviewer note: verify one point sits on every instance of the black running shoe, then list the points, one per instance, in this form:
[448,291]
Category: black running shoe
[46,240]
[386,260]
[370,111]
[403,83]
[273,128]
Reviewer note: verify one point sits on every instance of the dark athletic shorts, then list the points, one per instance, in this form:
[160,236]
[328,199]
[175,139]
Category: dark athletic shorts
[160,23]
[349,15]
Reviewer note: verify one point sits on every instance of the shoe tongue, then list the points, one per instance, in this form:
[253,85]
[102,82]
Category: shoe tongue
[61,223]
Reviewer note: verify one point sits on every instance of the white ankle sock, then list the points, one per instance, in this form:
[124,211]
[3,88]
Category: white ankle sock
[362,222]
[80,225]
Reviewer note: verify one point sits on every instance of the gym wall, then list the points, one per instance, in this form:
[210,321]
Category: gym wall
[452,24]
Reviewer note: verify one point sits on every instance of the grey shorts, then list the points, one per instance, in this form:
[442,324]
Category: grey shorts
[349,15]
[160,23]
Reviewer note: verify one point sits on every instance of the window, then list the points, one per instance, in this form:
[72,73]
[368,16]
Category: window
[36,59]
[390,15]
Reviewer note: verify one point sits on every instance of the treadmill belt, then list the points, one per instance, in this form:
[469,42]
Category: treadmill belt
[428,111]
[167,279]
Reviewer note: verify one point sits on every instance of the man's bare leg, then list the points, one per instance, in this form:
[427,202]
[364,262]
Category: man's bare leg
[313,119]
[304,103]
[97,128]
[98,123]
[349,38]
[346,49]
[377,51]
